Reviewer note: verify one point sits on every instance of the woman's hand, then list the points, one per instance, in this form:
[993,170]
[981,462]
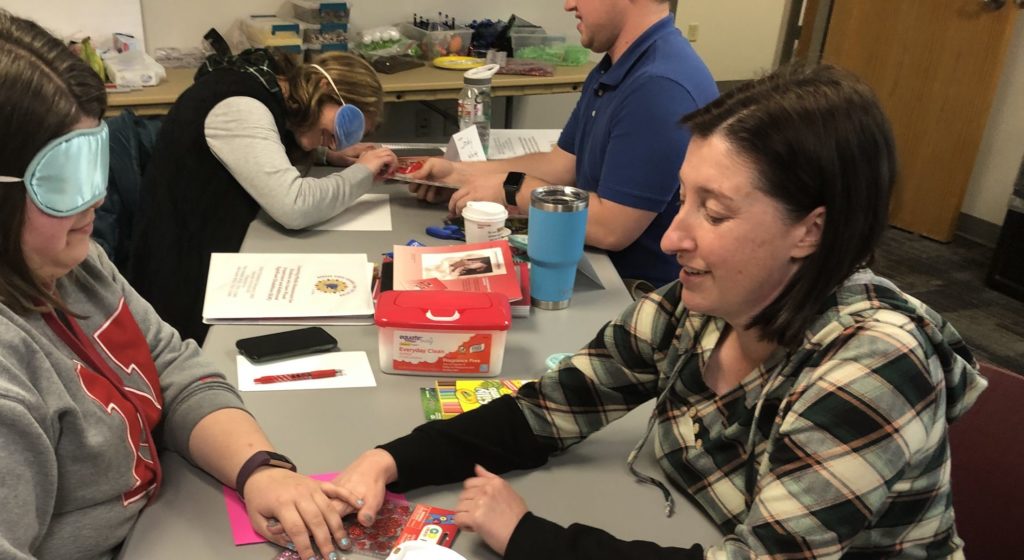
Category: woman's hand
[286,508]
[379,160]
[490,507]
[348,156]
[360,487]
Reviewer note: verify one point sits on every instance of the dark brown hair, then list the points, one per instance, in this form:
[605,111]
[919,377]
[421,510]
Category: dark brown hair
[816,136]
[45,90]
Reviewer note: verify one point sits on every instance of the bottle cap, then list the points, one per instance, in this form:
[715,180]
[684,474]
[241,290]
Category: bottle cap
[480,76]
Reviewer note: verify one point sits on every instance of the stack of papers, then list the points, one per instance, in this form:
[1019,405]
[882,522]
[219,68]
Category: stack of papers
[289,289]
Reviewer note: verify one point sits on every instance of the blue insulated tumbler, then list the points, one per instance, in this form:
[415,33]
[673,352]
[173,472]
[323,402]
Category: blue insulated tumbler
[558,226]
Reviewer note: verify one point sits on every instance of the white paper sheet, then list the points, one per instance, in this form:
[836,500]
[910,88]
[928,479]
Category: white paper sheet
[356,366]
[372,212]
[509,143]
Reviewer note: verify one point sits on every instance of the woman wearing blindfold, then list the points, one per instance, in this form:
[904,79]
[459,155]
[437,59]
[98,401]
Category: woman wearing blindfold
[229,147]
[88,370]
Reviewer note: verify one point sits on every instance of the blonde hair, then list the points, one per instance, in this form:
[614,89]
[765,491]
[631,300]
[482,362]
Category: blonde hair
[308,91]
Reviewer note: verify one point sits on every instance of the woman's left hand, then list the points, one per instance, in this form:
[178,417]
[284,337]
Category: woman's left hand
[289,508]
[490,507]
[348,156]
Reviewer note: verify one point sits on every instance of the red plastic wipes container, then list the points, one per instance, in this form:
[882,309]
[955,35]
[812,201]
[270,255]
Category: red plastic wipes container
[442,332]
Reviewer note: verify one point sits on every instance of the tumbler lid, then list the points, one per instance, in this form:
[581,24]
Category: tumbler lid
[559,199]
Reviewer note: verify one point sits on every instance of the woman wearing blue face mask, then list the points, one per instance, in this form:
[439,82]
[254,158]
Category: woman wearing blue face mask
[229,147]
[89,373]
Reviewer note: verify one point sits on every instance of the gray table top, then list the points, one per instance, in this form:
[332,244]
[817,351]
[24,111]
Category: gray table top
[325,430]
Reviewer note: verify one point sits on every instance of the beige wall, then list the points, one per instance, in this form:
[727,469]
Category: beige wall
[75,19]
[181,23]
[736,38]
[1002,147]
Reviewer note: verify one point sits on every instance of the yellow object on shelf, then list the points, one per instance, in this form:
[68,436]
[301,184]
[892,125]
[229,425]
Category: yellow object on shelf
[458,62]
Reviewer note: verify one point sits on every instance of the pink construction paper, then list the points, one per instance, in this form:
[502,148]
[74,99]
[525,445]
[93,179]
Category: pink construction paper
[242,531]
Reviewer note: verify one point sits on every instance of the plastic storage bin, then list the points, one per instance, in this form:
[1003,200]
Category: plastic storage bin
[445,42]
[324,37]
[321,12]
[442,332]
[270,31]
[547,48]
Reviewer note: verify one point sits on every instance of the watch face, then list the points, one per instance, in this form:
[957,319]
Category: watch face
[514,179]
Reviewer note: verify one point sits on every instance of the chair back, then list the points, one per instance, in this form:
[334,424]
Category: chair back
[987,446]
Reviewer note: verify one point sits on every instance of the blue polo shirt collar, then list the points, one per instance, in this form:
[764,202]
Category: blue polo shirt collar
[613,74]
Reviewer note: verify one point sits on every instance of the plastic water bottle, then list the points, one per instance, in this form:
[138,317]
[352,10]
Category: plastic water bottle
[475,102]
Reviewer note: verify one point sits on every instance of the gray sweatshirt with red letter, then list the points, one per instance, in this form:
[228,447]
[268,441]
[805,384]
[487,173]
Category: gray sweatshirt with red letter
[79,402]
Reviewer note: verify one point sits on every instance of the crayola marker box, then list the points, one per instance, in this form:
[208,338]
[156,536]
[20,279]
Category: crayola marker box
[437,332]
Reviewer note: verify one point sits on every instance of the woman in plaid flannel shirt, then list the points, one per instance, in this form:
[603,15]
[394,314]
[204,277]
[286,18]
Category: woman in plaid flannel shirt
[801,400]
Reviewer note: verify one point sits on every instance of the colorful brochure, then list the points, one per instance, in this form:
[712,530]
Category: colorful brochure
[469,267]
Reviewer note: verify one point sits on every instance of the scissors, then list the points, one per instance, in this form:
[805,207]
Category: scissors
[450,231]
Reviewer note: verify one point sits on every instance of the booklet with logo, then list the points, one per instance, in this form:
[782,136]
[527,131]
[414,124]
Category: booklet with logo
[289,289]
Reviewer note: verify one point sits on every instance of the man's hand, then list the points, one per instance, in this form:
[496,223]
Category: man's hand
[435,169]
[479,186]
[491,508]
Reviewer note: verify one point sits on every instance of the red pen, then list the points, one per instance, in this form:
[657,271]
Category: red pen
[315,374]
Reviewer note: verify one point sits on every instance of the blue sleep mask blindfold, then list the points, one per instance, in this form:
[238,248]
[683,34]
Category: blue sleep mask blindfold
[349,122]
[70,173]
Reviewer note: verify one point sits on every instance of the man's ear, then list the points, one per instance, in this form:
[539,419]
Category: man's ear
[809,229]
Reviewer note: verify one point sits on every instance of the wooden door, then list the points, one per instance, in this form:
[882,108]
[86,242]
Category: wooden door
[935,65]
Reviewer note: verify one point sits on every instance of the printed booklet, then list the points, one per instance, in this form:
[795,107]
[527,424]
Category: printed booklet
[289,289]
[469,267]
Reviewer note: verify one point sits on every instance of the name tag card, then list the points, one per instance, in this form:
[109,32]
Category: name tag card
[465,145]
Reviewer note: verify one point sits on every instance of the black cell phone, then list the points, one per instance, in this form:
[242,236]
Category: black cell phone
[286,344]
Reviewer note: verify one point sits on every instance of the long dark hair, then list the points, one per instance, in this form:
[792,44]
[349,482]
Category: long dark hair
[45,90]
[816,137]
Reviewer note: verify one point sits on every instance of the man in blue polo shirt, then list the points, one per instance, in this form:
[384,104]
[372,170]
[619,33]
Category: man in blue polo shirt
[623,141]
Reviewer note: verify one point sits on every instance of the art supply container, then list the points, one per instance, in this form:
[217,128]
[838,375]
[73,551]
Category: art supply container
[558,227]
[484,221]
[442,332]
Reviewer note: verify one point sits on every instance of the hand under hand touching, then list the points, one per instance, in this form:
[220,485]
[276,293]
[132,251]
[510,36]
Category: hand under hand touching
[361,486]
[286,508]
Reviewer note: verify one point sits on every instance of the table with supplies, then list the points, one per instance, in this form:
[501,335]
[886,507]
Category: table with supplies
[324,430]
[426,83]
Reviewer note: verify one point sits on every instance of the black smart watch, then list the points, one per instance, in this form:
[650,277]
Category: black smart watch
[513,182]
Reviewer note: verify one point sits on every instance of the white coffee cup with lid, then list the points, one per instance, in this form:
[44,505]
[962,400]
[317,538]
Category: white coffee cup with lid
[484,221]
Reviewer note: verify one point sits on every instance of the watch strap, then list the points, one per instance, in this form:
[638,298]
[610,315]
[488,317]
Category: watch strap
[261,459]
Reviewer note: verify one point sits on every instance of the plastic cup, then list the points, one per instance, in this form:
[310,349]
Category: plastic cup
[484,221]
